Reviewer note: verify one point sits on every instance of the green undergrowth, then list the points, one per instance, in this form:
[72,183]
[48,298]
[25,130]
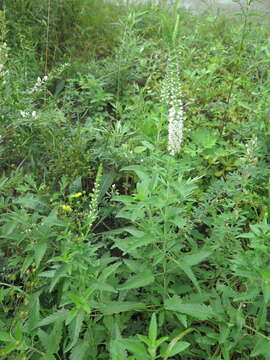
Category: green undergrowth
[110,248]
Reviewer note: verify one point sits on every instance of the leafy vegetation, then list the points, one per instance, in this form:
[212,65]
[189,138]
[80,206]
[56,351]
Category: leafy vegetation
[111,247]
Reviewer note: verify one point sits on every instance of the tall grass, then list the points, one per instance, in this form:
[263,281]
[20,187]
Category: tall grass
[70,28]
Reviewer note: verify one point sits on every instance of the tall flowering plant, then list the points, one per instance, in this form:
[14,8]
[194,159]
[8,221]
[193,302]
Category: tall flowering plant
[3,46]
[171,95]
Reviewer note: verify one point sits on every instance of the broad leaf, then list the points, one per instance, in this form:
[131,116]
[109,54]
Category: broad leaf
[6,337]
[134,346]
[51,341]
[76,185]
[79,351]
[198,311]
[177,348]
[75,327]
[32,202]
[196,258]
[153,328]
[189,273]
[262,347]
[57,316]
[138,281]
[34,307]
[116,307]
[40,251]
[60,272]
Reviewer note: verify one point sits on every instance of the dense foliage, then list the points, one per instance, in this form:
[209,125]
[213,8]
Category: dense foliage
[110,246]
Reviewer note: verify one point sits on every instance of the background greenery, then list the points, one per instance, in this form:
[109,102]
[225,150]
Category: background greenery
[109,247]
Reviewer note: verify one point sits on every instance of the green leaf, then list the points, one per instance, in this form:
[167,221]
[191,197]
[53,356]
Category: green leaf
[196,258]
[266,291]
[79,351]
[139,171]
[8,349]
[102,286]
[139,149]
[161,340]
[133,231]
[183,319]
[32,202]
[245,105]
[6,337]
[224,332]
[135,266]
[138,281]
[76,185]
[43,338]
[75,326]
[48,356]
[109,270]
[148,145]
[9,228]
[57,316]
[145,340]
[52,220]
[205,138]
[130,244]
[40,250]
[106,183]
[134,346]
[27,262]
[198,311]
[177,348]
[71,315]
[153,328]
[262,347]
[81,302]
[189,273]
[116,307]
[18,333]
[51,341]
[59,87]
[132,213]
[34,308]
[117,350]
[60,272]
[125,199]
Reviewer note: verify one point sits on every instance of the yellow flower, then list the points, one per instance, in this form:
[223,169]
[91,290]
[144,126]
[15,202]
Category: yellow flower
[75,196]
[66,208]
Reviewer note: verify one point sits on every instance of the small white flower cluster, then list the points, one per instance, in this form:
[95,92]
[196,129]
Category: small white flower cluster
[250,149]
[93,208]
[40,81]
[3,57]
[171,94]
[26,114]
[113,191]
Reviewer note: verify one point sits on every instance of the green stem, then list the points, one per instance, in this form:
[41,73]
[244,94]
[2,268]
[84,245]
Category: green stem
[165,249]
[13,287]
[228,100]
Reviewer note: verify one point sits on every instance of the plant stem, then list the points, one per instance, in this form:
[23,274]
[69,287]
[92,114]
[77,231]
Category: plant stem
[228,100]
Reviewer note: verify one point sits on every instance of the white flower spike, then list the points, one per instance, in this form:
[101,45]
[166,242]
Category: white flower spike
[171,94]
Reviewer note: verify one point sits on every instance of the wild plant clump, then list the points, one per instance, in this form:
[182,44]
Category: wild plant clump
[126,231]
